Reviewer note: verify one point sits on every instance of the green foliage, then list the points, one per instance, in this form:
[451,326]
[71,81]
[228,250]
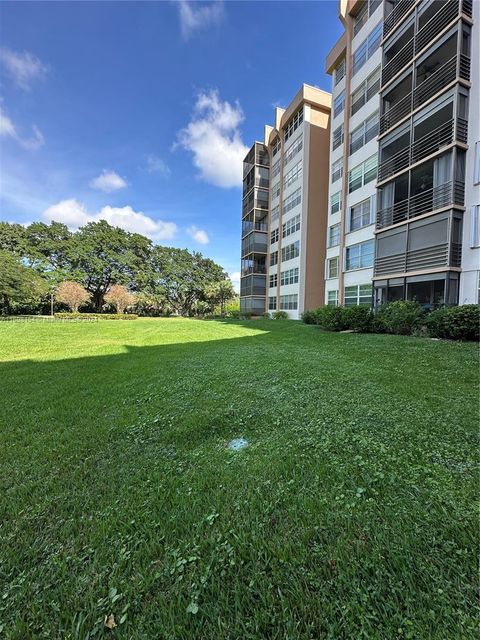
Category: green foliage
[280,315]
[456,323]
[401,317]
[100,316]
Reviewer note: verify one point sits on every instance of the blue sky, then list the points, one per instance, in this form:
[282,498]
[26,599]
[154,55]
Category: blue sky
[140,112]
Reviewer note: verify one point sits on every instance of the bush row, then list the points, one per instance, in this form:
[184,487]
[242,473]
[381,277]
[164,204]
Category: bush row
[100,316]
[402,317]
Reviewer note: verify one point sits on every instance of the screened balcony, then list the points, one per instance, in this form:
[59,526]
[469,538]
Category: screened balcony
[432,73]
[418,33]
[430,243]
[430,186]
[429,132]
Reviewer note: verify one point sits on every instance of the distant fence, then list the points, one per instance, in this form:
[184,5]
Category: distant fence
[44,319]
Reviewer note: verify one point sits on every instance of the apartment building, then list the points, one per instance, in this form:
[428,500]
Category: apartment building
[404,195]
[284,211]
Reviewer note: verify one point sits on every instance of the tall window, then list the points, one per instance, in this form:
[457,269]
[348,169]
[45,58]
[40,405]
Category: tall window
[365,91]
[337,170]
[362,174]
[340,71]
[359,256]
[332,297]
[358,294]
[334,235]
[339,104]
[332,267]
[336,202]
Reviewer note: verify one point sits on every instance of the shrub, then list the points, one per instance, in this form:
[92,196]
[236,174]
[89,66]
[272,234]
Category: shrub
[308,317]
[456,323]
[280,315]
[100,316]
[359,318]
[331,318]
[401,317]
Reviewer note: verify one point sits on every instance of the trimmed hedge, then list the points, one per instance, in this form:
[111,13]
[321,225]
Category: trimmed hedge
[455,323]
[100,316]
[402,317]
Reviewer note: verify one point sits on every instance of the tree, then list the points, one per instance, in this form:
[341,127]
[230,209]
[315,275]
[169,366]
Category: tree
[72,294]
[120,297]
[221,292]
[19,285]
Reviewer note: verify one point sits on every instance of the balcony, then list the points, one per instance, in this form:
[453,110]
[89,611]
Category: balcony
[449,193]
[398,12]
[430,143]
[448,72]
[432,27]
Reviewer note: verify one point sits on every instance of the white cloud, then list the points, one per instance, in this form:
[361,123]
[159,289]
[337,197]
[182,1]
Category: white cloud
[195,16]
[235,278]
[199,235]
[213,136]
[74,215]
[108,181]
[23,68]
[7,128]
[157,165]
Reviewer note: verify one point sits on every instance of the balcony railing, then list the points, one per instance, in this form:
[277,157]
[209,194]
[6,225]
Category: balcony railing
[418,259]
[393,18]
[430,29]
[446,194]
[430,143]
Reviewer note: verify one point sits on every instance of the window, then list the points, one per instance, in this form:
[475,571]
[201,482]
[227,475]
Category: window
[293,175]
[358,294]
[289,303]
[361,214]
[365,91]
[334,235]
[274,236]
[362,174]
[276,147]
[292,200]
[273,280]
[475,226]
[359,256]
[273,258]
[291,251]
[337,170]
[364,133]
[290,226]
[293,149]
[337,138]
[336,202]
[272,303]
[275,169]
[290,276]
[367,48]
[294,123]
[332,267]
[332,297]
[275,213]
[339,104]
[340,72]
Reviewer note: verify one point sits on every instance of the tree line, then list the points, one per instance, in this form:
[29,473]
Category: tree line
[36,259]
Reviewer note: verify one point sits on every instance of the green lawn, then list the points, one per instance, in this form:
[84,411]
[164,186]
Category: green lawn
[352,513]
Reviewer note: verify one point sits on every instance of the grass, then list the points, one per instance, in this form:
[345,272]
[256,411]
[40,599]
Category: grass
[351,514]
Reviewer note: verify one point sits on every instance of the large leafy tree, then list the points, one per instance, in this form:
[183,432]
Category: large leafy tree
[20,285]
[102,255]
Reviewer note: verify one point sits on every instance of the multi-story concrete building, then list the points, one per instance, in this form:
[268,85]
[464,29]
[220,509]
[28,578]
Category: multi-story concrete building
[404,193]
[284,213]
